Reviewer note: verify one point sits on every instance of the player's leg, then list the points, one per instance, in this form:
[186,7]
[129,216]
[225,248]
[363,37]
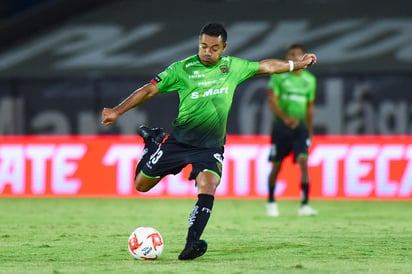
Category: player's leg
[207,174]
[305,209]
[144,183]
[153,138]
[272,178]
[301,149]
[302,160]
[281,147]
[207,183]
[271,206]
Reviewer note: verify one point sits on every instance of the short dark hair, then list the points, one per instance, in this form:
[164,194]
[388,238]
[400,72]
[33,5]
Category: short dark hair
[214,29]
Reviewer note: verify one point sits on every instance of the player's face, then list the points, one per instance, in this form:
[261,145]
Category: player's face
[295,54]
[210,49]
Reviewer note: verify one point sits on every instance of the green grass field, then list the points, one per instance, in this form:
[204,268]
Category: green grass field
[90,236]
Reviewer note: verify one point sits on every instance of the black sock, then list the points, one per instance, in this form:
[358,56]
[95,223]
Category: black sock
[199,217]
[305,192]
[271,198]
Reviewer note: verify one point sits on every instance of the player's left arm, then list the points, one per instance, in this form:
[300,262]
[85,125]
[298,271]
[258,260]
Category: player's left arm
[272,66]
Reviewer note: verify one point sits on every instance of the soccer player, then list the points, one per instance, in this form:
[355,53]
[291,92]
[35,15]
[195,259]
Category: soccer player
[291,99]
[205,83]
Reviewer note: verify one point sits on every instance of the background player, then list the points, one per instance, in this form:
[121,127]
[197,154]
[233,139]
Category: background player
[291,99]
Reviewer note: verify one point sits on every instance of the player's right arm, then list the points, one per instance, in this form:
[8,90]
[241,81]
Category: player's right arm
[139,96]
[273,66]
[274,107]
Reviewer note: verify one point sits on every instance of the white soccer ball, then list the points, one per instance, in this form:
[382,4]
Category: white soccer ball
[145,243]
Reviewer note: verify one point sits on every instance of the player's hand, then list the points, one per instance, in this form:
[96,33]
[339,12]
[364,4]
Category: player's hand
[309,59]
[291,122]
[109,116]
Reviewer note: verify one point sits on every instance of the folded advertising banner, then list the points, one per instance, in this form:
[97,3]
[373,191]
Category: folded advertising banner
[341,167]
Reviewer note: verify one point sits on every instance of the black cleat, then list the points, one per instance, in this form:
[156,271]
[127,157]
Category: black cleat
[193,250]
[151,134]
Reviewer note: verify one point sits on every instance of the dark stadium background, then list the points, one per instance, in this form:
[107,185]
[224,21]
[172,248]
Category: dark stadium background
[364,68]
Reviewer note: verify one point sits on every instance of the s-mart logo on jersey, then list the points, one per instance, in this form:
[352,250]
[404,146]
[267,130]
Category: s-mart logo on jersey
[209,92]
[340,167]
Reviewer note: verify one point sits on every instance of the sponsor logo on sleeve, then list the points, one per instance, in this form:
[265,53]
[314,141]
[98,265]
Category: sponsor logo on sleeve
[156,80]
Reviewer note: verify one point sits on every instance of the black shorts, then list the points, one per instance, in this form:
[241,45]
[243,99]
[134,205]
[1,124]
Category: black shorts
[286,140]
[171,157]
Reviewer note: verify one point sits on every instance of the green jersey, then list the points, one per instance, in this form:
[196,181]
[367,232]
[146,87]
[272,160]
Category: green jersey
[205,94]
[294,92]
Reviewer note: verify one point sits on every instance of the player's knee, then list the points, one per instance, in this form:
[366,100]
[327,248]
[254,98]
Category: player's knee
[140,186]
[302,160]
[207,188]
[143,184]
[207,183]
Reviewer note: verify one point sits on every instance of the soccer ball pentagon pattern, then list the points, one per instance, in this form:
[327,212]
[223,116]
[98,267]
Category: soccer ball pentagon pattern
[145,243]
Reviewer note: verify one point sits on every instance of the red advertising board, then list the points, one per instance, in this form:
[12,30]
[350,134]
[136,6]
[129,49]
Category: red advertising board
[341,167]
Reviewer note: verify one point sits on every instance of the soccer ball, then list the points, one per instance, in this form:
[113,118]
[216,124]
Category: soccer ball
[145,243]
